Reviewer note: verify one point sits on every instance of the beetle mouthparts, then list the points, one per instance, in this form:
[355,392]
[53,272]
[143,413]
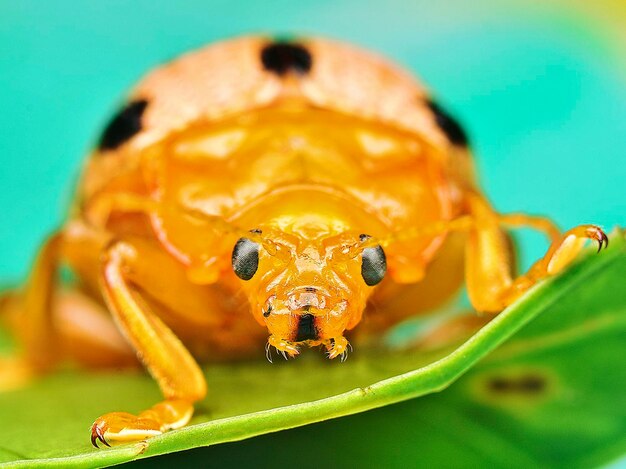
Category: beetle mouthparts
[306,328]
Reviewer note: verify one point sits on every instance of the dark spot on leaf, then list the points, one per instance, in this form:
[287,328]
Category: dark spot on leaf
[526,384]
[124,125]
[448,124]
[284,57]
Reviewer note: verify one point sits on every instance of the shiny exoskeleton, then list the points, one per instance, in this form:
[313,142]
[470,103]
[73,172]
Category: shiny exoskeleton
[260,187]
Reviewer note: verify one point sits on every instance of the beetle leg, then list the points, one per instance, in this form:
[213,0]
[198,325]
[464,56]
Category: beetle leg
[338,347]
[488,265]
[87,333]
[52,321]
[35,324]
[283,346]
[178,375]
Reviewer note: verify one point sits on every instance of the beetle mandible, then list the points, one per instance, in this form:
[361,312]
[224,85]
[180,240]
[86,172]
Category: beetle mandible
[259,186]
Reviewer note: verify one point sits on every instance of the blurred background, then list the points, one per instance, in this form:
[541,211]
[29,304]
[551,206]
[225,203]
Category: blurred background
[539,85]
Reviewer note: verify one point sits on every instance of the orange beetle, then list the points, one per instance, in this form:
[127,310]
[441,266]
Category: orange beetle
[259,186]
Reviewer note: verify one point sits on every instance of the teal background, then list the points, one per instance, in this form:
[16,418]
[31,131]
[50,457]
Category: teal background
[540,88]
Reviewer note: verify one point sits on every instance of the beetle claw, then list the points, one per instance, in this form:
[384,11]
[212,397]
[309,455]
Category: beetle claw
[600,237]
[338,347]
[603,241]
[96,434]
[268,352]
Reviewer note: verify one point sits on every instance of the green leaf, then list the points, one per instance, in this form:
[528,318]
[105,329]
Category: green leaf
[551,394]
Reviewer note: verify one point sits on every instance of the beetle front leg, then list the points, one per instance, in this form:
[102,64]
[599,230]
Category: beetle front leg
[338,347]
[488,263]
[176,372]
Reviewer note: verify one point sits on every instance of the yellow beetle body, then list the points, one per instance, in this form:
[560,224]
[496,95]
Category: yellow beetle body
[296,189]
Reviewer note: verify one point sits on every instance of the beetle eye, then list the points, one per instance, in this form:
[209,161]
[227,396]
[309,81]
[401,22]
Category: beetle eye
[245,258]
[373,264]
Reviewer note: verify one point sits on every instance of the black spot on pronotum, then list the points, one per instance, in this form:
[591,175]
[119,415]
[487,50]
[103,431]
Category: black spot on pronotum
[306,328]
[373,263]
[124,125]
[245,258]
[526,384]
[284,57]
[448,124]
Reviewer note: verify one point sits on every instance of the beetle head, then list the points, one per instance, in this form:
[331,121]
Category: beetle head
[308,291]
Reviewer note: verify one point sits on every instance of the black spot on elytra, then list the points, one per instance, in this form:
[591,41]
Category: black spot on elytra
[525,385]
[284,57]
[124,125]
[448,124]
